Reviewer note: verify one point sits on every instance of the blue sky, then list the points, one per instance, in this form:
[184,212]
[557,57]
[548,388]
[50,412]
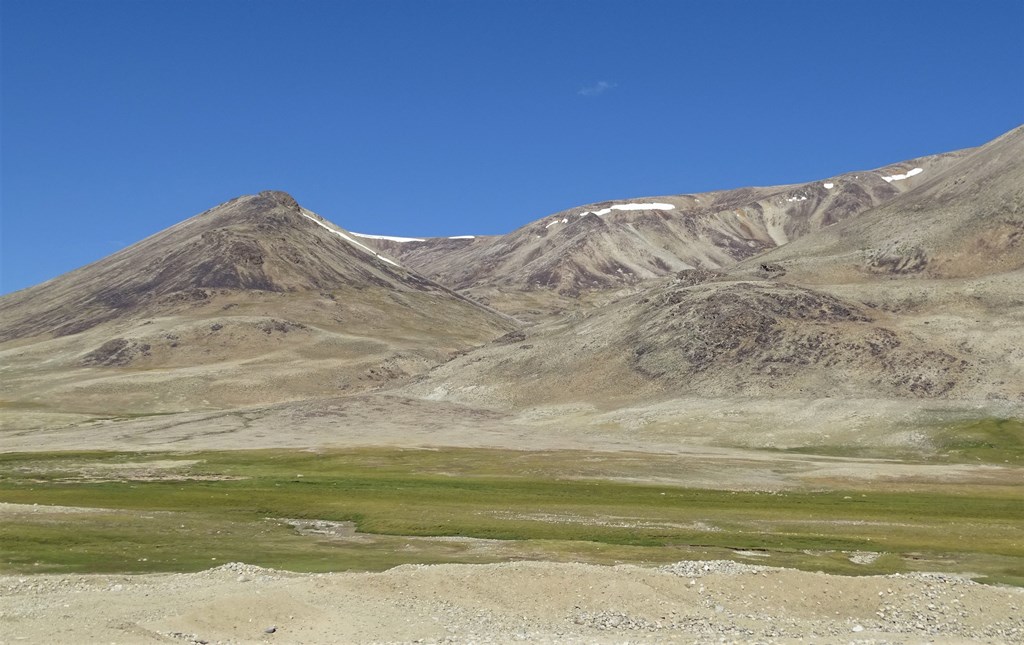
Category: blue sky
[445,117]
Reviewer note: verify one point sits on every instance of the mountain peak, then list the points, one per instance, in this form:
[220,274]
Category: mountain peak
[261,243]
[276,198]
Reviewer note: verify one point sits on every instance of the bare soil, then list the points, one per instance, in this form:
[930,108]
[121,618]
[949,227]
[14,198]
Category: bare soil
[690,602]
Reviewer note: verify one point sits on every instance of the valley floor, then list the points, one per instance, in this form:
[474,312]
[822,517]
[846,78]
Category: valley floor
[419,521]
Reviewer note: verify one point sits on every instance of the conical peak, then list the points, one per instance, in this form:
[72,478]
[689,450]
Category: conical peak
[263,202]
[270,210]
[277,198]
[254,243]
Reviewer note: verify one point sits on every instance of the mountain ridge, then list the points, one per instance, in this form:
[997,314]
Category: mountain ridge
[574,252]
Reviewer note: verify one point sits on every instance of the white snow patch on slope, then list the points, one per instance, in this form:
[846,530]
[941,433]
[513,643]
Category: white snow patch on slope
[462,237]
[636,206]
[347,238]
[909,173]
[389,237]
[797,198]
[828,185]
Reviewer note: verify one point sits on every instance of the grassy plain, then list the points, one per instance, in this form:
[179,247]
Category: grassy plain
[188,511]
[988,440]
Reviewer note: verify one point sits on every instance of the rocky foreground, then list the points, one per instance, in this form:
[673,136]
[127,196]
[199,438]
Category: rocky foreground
[688,602]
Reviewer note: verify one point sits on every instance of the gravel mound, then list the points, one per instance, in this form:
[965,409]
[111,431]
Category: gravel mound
[538,602]
[699,568]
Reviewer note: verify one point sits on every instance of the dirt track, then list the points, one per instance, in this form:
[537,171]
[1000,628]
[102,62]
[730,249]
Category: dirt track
[690,602]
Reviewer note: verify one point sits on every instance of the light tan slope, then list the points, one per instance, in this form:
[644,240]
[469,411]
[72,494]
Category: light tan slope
[760,339]
[965,221]
[254,301]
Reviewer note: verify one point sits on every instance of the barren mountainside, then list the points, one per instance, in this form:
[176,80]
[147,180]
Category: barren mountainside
[817,316]
[966,220]
[258,243]
[254,301]
[612,244]
[901,283]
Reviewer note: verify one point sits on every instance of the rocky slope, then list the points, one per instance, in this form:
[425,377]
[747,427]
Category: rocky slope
[917,298]
[728,338]
[609,245]
[963,221]
[254,301]
[259,243]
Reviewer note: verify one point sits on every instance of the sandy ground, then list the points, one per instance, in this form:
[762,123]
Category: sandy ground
[718,444]
[690,602]
[385,419]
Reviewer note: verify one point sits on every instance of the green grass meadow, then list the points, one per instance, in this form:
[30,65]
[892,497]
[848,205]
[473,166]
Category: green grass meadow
[209,508]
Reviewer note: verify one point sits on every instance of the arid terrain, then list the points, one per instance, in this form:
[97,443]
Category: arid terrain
[769,414]
[693,602]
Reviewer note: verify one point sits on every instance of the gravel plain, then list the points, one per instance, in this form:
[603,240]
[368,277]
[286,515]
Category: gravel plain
[538,602]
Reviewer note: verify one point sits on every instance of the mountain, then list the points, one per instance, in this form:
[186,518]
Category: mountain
[866,295]
[254,301]
[612,245]
[916,297]
[964,221]
[261,243]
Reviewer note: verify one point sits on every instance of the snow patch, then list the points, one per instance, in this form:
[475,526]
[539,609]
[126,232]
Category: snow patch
[797,198]
[909,173]
[462,237]
[635,206]
[348,239]
[828,185]
[389,237]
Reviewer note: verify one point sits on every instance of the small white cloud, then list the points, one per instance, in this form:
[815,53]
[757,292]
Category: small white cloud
[596,89]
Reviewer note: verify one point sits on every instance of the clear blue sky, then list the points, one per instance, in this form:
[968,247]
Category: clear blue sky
[445,117]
